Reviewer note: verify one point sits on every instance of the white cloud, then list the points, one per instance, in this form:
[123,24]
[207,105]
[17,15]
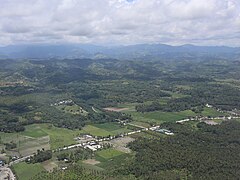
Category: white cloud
[205,22]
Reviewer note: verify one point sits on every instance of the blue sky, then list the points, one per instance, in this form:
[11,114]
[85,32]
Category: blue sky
[175,22]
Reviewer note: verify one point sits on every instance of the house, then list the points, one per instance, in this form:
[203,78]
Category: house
[164,131]
[94,147]
[1,163]
[209,106]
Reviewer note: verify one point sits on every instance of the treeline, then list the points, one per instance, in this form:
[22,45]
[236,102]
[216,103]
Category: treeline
[173,105]
[10,123]
[40,156]
[221,96]
[211,152]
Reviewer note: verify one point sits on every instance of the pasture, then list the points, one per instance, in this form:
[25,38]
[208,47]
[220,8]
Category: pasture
[211,112]
[109,153]
[104,129]
[160,117]
[95,131]
[26,171]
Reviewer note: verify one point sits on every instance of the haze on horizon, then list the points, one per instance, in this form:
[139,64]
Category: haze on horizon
[115,22]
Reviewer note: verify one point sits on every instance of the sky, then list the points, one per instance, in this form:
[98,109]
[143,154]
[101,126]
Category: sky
[120,22]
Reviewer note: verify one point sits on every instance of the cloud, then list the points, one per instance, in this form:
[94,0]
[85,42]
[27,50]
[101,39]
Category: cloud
[205,22]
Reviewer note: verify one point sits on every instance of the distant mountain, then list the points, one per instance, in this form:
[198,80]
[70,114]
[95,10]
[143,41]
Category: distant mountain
[133,52]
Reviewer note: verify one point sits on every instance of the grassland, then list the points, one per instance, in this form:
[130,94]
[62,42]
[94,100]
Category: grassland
[39,136]
[26,171]
[160,117]
[95,131]
[104,129]
[109,153]
[114,161]
[59,137]
[25,144]
[108,126]
[34,131]
[211,112]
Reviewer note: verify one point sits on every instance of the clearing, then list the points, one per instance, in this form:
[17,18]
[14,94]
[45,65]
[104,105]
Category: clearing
[120,144]
[26,171]
[91,161]
[115,109]
[109,153]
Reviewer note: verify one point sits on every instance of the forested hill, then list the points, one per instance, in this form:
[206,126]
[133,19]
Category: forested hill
[132,52]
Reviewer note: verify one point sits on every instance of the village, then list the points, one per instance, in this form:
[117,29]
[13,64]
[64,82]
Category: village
[94,143]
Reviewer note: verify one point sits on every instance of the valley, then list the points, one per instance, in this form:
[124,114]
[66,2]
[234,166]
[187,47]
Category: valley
[97,120]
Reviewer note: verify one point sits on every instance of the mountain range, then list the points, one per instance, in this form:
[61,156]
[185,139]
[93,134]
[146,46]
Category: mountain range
[130,52]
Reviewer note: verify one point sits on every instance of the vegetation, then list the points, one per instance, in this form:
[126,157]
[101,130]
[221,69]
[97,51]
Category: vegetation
[109,153]
[149,92]
[26,171]
[75,155]
[40,156]
[201,154]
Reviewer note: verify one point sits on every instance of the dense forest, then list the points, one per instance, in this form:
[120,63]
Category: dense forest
[210,152]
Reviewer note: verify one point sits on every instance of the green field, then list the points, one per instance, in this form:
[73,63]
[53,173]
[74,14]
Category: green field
[109,153]
[108,126]
[104,129]
[113,160]
[59,137]
[34,131]
[26,171]
[25,144]
[211,112]
[160,117]
[95,131]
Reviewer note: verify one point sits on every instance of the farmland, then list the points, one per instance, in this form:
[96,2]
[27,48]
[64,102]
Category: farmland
[160,117]
[109,153]
[104,129]
[26,171]
[63,101]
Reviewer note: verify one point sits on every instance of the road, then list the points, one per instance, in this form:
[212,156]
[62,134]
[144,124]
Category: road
[94,110]
[20,160]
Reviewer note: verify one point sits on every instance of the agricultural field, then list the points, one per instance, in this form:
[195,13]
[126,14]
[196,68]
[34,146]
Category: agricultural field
[95,131]
[211,112]
[109,153]
[26,171]
[59,137]
[112,158]
[38,136]
[160,117]
[25,144]
[104,129]
[34,131]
